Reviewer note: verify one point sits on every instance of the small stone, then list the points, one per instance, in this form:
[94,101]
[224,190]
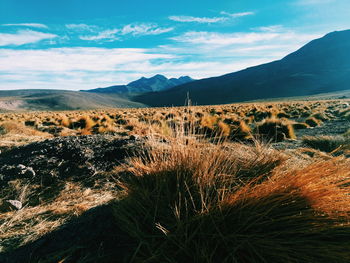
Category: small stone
[29,171]
[15,204]
[10,205]
[21,167]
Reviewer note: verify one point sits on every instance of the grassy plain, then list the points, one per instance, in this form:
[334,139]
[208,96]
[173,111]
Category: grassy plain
[252,182]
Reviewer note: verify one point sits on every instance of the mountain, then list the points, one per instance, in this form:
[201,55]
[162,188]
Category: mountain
[17,100]
[155,83]
[321,66]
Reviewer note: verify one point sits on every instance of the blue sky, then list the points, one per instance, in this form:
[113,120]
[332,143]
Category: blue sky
[82,44]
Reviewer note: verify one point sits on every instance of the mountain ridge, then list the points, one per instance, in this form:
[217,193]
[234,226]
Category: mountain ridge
[320,66]
[156,83]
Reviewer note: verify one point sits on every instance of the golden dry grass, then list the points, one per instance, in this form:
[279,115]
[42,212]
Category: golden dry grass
[196,193]
[226,120]
[189,203]
[32,222]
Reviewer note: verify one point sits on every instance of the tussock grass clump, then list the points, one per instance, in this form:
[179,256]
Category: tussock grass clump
[328,143]
[320,116]
[313,122]
[212,126]
[261,115]
[300,125]
[30,123]
[12,127]
[242,131]
[275,129]
[64,121]
[84,122]
[208,121]
[223,129]
[344,113]
[283,115]
[189,204]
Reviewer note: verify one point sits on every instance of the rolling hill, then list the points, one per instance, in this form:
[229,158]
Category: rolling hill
[17,100]
[321,66]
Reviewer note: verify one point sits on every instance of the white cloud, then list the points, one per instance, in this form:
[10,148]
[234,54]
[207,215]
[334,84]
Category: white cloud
[73,59]
[81,27]
[198,54]
[235,15]
[144,29]
[75,68]
[23,37]
[197,19]
[226,39]
[37,25]
[109,35]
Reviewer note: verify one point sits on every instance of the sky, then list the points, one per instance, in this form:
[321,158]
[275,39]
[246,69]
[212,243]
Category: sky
[84,44]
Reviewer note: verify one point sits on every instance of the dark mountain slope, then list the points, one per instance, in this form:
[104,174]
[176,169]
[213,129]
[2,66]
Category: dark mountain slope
[322,65]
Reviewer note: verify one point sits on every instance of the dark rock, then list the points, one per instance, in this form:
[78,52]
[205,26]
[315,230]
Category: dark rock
[50,162]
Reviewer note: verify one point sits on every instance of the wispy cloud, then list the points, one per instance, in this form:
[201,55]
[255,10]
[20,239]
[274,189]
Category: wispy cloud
[144,29]
[273,28]
[37,25]
[234,15]
[106,35]
[81,27]
[223,39]
[197,19]
[23,37]
[208,20]
[313,2]
[226,39]
[135,29]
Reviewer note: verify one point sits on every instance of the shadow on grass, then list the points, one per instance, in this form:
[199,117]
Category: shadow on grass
[93,237]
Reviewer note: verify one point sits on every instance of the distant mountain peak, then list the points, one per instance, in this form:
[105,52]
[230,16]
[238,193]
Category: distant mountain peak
[156,83]
[159,76]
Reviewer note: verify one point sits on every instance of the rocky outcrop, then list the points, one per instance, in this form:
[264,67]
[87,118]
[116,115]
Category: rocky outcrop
[50,163]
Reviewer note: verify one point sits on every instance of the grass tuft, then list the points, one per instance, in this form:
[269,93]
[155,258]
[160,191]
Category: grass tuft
[187,204]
